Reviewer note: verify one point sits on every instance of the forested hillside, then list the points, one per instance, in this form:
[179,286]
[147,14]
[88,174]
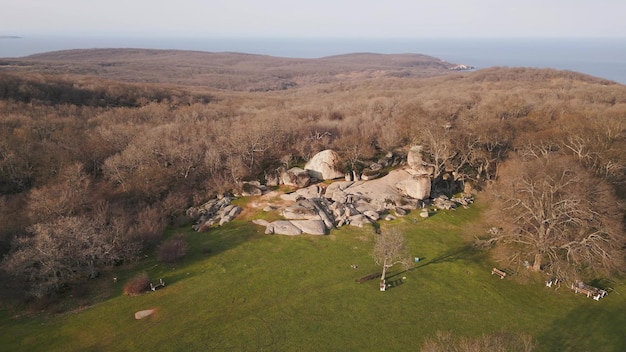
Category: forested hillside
[101,150]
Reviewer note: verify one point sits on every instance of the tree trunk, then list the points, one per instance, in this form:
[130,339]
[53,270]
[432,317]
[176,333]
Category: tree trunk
[537,264]
[382,277]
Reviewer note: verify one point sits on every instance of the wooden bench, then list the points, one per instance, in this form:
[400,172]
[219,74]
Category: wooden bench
[500,273]
[589,291]
[158,285]
[367,277]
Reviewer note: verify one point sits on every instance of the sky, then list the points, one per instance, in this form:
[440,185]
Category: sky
[315,18]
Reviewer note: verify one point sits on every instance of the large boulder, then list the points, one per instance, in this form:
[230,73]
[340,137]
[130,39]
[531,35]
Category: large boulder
[303,209]
[252,188]
[415,160]
[283,227]
[295,177]
[417,187]
[272,178]
[324,165]
[311,227]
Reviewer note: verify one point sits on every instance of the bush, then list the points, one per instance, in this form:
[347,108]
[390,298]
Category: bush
[137,284]
[172,249]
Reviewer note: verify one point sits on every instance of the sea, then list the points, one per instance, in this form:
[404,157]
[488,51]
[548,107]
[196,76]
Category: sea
[600,57]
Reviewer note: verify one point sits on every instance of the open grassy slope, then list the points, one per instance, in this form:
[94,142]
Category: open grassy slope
[256,292]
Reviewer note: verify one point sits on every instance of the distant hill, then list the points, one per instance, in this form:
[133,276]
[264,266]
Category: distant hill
[231,71]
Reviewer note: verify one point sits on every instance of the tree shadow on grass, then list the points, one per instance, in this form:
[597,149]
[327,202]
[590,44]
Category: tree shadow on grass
[599,327]
[467,252]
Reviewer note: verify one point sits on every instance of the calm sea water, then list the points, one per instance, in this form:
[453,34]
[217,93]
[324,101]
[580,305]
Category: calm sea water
[604,58]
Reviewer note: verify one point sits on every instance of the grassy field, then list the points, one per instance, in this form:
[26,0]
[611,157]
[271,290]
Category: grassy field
[241,290]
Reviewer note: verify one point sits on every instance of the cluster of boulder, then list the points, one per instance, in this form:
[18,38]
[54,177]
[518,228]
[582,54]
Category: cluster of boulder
[216,211]
[315,208]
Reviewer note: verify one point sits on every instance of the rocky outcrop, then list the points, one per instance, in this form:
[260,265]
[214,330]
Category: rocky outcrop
[216,211]
[324,165]
[343,203]
[415,160]
[358,201]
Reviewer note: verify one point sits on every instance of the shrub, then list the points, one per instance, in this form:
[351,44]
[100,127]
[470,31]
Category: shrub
[137,284]
[172,249]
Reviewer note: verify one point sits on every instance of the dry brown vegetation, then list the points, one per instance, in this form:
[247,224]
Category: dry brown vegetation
[114,144]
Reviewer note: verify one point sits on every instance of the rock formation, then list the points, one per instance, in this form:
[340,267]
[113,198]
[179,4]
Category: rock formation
[318,208]
[324,165]
[216,211]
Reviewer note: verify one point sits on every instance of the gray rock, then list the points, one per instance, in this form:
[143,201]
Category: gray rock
[313,191]
[400,211]
[283,227]
[225,220]
[269,208]
[416,162]
[417,187]
[389,217]
[372,215]
[251,189]
[144,313]
[295,177]
[359,220]
[369,174]
[311,227]
[324,165]
[272,178]
[261,222]
[303,209]
[442,202]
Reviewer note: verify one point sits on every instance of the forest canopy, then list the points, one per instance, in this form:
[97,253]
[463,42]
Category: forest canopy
[105,164]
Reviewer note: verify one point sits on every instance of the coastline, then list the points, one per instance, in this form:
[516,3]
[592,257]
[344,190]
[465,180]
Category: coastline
[600,57]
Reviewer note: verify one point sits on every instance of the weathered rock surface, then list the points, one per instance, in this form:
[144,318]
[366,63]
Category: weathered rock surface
[311,227]
[296,177]
[283,227]
[303,209]
[324,165]
[417,186]
[252,189]
[416,162]
[216,211]
[144,313]
[318,208]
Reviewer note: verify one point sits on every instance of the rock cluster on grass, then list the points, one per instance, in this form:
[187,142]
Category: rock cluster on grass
[216,211]
[358,201]
[355,203]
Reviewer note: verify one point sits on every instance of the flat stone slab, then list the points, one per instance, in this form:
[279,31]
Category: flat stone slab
[283,227]
[144,313]
[311,227]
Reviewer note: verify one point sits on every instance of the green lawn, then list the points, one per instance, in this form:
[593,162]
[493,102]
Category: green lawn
[255,292]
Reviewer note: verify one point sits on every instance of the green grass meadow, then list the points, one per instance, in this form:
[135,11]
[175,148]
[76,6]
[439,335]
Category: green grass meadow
[241,290]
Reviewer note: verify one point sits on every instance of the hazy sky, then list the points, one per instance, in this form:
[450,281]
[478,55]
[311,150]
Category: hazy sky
[316,18]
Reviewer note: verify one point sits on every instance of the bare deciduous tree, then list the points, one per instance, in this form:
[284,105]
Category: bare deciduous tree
[390,249]
[561,216]
[65,197]
[64,250]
